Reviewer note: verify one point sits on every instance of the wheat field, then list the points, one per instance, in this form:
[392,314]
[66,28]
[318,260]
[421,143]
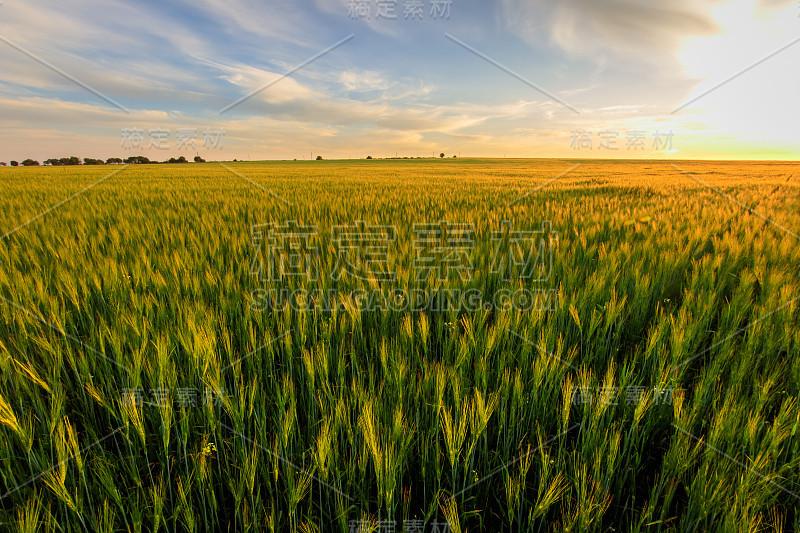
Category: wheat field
[643,375]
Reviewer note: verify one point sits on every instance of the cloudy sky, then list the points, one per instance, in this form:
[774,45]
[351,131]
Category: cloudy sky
[515,78]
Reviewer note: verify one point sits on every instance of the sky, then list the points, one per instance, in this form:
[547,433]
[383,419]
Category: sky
[293,79]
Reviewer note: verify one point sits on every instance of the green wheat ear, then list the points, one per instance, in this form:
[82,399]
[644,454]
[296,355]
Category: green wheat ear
[28,517]
[324,450]
[450,510]
[8,418]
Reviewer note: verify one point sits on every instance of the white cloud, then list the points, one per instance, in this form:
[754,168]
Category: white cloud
[367,80]
[281,88]
[618,27]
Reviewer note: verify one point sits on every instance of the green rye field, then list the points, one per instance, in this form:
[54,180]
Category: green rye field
[644,375]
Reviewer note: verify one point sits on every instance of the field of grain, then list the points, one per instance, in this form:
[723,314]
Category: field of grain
[146,385]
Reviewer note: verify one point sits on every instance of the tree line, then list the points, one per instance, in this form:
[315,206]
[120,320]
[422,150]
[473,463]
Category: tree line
[67,161]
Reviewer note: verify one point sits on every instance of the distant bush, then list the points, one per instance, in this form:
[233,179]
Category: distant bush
[63,161]
[137,160]
[319,158]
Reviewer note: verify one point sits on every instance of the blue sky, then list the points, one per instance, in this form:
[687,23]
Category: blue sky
[400,85]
